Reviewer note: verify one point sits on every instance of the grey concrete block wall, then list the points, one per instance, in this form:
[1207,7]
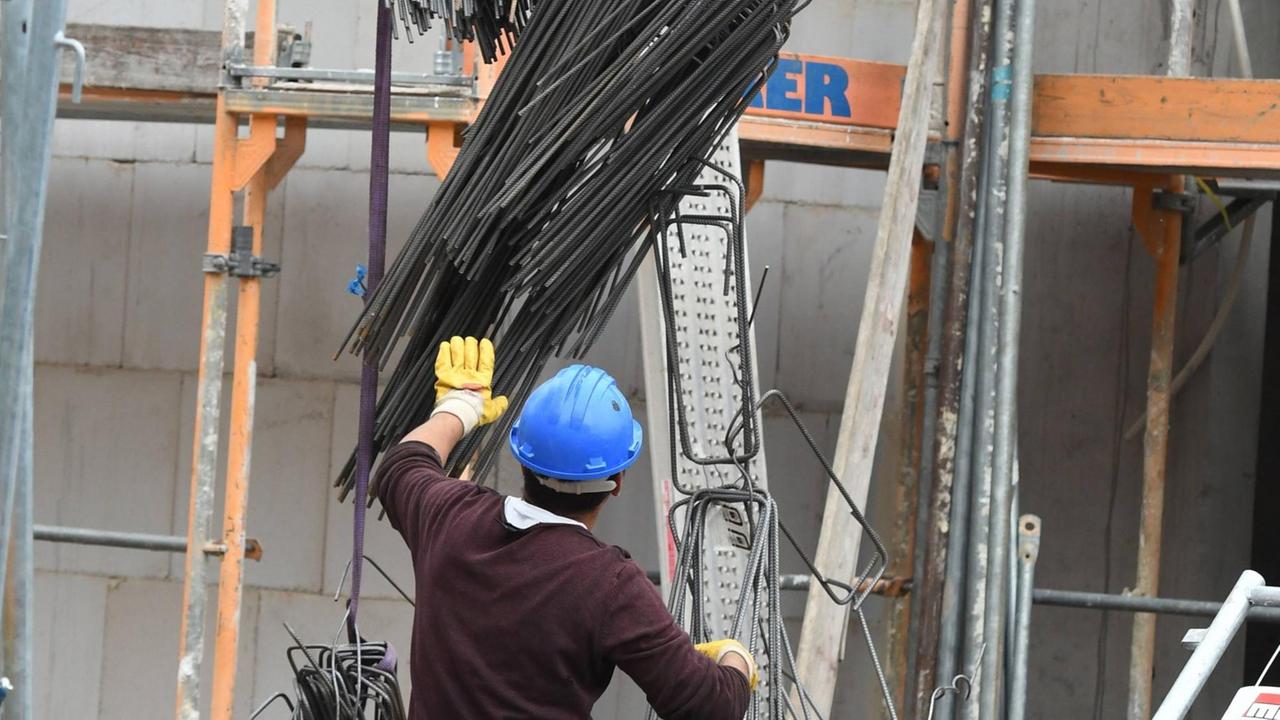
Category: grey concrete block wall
[117,337]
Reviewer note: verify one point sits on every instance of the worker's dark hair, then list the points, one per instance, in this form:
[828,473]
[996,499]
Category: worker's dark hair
[560,503]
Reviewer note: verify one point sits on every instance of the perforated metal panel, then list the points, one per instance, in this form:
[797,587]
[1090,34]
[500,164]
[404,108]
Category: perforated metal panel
[707,337]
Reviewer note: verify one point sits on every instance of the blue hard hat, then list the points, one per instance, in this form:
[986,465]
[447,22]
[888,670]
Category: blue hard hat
[577,426]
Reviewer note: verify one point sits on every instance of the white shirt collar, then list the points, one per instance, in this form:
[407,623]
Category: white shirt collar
[523,515]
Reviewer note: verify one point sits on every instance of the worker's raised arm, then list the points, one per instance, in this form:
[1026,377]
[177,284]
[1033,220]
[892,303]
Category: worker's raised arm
[681,682]
[464,394]
[464,401]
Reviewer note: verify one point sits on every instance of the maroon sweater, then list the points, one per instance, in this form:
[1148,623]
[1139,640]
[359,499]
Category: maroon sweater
[531,624]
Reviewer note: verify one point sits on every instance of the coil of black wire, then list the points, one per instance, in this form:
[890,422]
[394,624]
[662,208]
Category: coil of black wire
[596,128]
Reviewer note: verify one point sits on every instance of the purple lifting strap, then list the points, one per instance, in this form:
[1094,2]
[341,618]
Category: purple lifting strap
[378,161]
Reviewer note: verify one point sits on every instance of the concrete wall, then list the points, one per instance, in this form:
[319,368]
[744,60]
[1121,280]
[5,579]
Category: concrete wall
[117,340]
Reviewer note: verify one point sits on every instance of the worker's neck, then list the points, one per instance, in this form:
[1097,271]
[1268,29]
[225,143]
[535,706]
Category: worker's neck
[587,518]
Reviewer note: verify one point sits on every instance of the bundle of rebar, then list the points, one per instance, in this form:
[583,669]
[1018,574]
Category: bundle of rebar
[493,25]
[597,126]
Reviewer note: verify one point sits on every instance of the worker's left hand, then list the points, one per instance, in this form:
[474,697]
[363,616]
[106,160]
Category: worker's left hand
[717,649]
[464,383]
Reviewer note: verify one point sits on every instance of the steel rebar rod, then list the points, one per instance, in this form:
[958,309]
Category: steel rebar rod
[593,132]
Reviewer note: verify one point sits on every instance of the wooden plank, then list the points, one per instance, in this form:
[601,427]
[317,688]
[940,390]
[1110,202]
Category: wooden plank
[1159,156]
[815,108]
[165,59]
[821,636]
[1157,108]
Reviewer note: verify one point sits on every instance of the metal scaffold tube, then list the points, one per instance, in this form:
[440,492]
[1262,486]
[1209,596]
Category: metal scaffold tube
[1163,237]
[1010,324]
[954,444]
[1028,553]
[977,651]
[1210,650]
[32,37]
[209,378]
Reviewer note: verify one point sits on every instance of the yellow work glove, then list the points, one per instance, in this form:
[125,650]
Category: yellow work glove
[464,383]
[717,649]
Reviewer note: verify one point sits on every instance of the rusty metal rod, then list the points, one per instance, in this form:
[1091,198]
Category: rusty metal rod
[1155,450]
[134,541]
[948,526]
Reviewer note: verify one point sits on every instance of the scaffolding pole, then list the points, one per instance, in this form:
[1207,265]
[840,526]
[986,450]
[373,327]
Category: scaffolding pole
[32,37]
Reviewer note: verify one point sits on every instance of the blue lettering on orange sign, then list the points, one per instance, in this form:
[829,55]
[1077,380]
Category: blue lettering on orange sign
[825,89]
[826,83]
[781,84]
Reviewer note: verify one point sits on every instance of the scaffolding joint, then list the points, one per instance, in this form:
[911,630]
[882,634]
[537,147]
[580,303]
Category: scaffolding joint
[1171,201]
[241,262]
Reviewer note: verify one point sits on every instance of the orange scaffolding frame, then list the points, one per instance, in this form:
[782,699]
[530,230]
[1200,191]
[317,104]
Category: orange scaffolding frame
[1142,132]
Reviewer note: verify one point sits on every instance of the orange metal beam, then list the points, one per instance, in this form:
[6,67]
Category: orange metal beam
[1157,108]
[253,166]
[1158,155]
[288,149]
[442,147]
[755,182]
[840,111]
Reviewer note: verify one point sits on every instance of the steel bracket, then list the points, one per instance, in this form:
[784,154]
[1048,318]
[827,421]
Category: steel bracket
[929,214]
[241,262]
[1193,637]
[1220,224]
[1181,202]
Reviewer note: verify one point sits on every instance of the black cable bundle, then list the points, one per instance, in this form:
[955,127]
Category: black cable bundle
[355,681]
[598,125]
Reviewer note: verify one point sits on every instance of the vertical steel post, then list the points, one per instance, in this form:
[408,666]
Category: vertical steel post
[977,650]
[213,333]
[1165,232]
[935,484]
[19,620]
[1181,30]
[1212,647]
[903,551]
[1240,40]
[1010,326]
[950,502]
[1028,552]
[1164,237]
[243,392]
[34,28]
[15,16]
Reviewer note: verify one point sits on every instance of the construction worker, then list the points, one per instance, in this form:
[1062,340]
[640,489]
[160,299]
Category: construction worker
[521,612]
